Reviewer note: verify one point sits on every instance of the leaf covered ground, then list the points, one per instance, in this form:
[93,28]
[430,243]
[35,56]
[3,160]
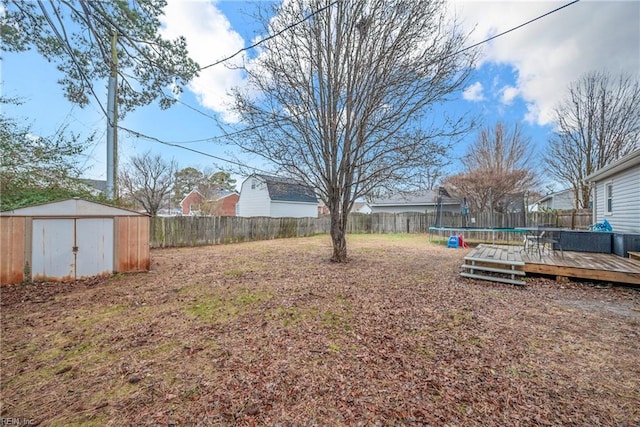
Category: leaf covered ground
[272,333]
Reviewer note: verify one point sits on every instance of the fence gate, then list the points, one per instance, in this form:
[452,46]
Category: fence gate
[71,248]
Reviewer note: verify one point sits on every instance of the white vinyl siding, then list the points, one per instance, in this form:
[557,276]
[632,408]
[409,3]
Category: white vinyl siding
[561,200]
[625,217]
[293,210]
[254,199]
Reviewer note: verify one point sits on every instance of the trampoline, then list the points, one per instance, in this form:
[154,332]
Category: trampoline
[467,232]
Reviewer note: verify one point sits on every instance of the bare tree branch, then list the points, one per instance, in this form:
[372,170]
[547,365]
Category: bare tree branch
[340,101]
[147,180]
[498,169]
[598,123]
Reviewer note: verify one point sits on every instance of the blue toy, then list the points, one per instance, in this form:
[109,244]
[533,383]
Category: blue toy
[601,226]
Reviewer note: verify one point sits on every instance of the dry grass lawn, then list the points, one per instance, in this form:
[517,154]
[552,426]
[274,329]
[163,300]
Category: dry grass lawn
[271,333]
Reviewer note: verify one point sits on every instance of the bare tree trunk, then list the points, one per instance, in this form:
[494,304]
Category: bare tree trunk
[338,237]
[339,213]
[344,97]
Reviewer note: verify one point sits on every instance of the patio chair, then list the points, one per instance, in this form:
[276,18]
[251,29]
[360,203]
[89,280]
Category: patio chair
[544,241]
[532,242]
[551,242]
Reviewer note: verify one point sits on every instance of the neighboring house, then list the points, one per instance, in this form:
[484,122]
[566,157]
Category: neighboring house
[361,207]
[561,200]
[192,203]
[169,212]
[423,201]
[616,193]
[225,203]
[358,207]
[95,186]
[264,195]
[222,204]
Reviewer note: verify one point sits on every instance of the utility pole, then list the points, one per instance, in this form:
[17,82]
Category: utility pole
[440,195]
[112,123]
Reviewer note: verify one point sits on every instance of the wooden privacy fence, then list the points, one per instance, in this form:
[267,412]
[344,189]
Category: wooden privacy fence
[198,231]
[578,220]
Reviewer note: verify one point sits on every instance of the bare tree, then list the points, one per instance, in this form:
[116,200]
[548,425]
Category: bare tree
[343,100]
[598,123]
[147,180]
[498,167]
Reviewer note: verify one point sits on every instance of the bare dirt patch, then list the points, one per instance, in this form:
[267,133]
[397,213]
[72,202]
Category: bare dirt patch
[271,333]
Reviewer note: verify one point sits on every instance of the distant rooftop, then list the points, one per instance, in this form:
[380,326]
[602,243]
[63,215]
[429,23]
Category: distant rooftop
[426,197]
[288,189]
[96,184]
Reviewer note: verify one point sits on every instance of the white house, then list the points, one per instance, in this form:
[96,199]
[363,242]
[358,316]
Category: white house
[361,207]
[264,195]
[423,201]
[561,200]
[616,193]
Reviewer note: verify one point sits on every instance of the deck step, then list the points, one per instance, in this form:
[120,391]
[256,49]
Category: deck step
[493,279]
[494,261]
[493,269]
[634,255]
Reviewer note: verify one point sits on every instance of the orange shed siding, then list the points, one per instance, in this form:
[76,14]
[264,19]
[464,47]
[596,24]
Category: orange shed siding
[12,262]
[132,244]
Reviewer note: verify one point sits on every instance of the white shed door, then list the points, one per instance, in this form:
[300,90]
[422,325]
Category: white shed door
[67,249]
[52,250]
[94,240]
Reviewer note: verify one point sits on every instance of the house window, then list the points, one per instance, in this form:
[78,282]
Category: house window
[609,193]
[253,184]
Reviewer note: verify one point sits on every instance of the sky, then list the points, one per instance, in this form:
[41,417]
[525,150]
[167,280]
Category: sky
[520,77]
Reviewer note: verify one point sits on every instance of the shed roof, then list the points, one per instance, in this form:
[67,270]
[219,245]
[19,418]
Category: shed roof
[288,190]
[71,207]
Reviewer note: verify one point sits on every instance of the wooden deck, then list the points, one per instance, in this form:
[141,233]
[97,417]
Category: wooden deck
[591,266]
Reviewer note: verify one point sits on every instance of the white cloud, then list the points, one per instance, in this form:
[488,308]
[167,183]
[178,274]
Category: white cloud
[473,92]
[507,94]
[209,38]
[556,50]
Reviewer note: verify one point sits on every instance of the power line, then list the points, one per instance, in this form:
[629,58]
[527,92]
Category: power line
[511,29]
[64,41]
[214,138]
[287,28]
[176,144]
[171,144]
[217,137]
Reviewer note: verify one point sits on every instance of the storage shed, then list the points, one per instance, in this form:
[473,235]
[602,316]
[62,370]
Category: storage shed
[71,239]
[276,197]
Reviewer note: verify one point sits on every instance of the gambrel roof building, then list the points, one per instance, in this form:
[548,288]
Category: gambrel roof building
[271,196]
